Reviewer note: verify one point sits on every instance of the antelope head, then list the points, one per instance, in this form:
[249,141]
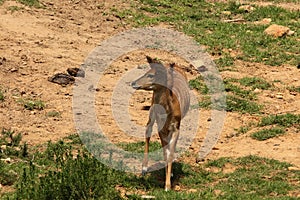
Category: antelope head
[154,79]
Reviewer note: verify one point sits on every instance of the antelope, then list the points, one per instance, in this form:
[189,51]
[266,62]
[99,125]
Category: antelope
[170,103]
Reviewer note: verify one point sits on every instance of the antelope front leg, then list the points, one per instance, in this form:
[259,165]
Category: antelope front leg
[171,147]
[147,141]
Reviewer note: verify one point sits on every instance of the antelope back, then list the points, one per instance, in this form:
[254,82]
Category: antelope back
[177,82]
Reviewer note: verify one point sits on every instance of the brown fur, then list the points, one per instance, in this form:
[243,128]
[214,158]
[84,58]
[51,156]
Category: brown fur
[170,92]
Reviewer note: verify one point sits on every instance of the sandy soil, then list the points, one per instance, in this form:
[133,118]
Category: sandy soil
[37,43]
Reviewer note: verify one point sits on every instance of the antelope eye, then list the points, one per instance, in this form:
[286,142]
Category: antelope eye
[150,75]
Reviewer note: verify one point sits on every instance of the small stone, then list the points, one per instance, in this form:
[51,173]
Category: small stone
[13,70]
[218,192]
[147,197]
[279,96]
[61,79]
[2,60]
[7,160]
[247,8]
[277,30]
[293,169]
[77,72]
[256,90]
[226,12]
[264,21]
[192,190]
[177,188]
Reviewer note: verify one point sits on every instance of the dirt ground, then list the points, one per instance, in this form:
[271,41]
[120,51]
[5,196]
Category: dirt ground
[37,43]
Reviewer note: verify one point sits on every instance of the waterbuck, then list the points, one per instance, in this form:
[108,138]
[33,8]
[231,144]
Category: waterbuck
[170,103]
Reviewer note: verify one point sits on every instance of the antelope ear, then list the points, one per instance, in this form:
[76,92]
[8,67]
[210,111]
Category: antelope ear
[149,59]
[172,65]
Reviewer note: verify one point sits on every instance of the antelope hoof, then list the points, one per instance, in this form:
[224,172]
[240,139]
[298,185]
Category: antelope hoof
[144,171]
[167,188]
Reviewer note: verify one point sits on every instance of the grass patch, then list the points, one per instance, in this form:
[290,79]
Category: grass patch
[31,3]
[11,150]
[138,147]
[294,89]
[255,82]
[240,96]
[272,126]
[267,134]
[205,22]
[283,120]
[14,8]
[65,172]
[32,104]
[199,85]
[53,114]
[242,105]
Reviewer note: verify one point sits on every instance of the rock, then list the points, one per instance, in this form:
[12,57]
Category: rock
[226,12]
[247,8]
[293,169]
[6,160]
[279,95]
[192,190]
[177,188]
[218,192]
[278,30]
[77,72]
[2,60]
[264,21]
[61,79]
[256,90]
[147,197]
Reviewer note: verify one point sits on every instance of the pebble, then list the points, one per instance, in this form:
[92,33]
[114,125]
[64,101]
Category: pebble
[279,95]
[293,169]
[256,90]
[247,8]
[226,12]
[278,30]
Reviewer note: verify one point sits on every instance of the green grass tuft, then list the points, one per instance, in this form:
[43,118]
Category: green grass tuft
[255,82]
[267,133]
[31,3]
[1,96]
[138,147]
[32,104]
[283,120]
[205,22]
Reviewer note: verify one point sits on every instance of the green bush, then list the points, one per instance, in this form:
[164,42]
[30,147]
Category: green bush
[80,177]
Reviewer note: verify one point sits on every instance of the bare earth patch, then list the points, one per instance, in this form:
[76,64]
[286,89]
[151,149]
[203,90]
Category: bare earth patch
[37,43]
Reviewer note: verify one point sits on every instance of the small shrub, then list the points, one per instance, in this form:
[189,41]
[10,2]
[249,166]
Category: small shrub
[9,138]
[33,104]
[7,176]
[81,178]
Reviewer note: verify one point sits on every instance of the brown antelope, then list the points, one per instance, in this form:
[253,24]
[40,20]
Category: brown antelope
[170,103]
